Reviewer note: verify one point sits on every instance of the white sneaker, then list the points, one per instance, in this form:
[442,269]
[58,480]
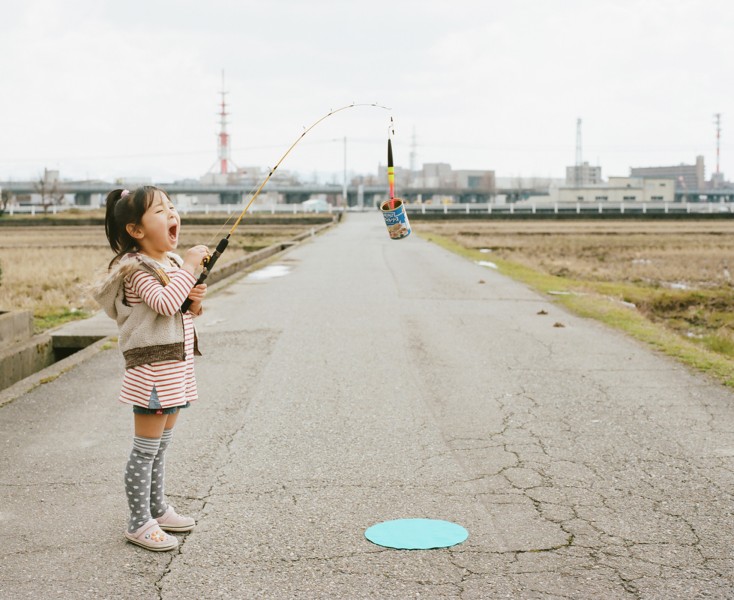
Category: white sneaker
[170,521]
[150,537]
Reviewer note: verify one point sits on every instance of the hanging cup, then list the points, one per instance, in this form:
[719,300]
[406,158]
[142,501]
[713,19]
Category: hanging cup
[396,219]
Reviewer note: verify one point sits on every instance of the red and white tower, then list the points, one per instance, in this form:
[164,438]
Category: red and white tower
[223,138]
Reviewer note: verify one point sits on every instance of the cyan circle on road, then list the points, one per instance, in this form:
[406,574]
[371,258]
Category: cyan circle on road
[416,534]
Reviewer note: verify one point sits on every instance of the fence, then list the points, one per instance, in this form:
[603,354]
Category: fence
[216,209]
[568,208]
[519,208]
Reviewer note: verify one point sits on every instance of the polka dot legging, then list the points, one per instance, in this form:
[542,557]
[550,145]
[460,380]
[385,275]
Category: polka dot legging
[144,479]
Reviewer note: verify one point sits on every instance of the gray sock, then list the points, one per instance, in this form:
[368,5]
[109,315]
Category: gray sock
[137,480]
[158,504]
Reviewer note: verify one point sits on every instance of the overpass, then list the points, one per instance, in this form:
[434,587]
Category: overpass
[289,192]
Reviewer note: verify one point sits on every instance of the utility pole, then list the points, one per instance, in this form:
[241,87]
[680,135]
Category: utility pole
[344,182]
[717,121]
[577,175]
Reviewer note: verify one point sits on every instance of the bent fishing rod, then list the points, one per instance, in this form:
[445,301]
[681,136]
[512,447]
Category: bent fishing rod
[210,261]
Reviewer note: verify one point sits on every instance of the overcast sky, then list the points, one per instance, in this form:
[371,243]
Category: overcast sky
[130,88]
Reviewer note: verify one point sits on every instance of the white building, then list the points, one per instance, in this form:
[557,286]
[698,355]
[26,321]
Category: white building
[618,189]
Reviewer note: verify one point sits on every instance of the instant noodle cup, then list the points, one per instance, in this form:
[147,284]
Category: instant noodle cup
[396,219]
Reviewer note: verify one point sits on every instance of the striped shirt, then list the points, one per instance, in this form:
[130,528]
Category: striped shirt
[173,380]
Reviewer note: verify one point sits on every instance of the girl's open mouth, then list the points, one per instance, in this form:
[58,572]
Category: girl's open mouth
[173,233]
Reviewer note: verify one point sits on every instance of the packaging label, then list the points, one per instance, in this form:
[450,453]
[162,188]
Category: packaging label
[396,219]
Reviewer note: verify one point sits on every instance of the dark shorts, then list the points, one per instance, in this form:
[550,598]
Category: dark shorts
[139,410]
[155,408]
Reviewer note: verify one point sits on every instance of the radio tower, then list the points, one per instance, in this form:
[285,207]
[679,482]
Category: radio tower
[223,140]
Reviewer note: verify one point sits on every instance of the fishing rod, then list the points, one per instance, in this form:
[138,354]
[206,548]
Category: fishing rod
[210,261]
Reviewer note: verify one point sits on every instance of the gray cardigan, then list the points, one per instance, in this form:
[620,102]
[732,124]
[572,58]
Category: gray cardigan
[146,336]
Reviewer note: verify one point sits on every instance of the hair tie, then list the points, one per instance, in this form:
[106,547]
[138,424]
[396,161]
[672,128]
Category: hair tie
[124,193]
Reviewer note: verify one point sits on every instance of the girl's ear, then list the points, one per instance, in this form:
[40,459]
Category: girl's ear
[134,230]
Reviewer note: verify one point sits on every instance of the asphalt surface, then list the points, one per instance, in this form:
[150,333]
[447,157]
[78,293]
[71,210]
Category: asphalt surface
[361,379]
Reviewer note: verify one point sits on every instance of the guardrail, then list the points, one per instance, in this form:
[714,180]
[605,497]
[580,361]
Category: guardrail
[569,208]
[516,208]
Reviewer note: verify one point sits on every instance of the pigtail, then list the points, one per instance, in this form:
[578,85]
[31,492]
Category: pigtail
[117,216]
[110,223]
[124,207]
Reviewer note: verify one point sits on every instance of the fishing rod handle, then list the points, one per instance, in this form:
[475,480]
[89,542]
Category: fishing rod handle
[208,265]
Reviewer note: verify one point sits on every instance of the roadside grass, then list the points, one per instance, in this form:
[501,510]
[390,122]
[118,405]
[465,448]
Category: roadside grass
[50,318]
[49,270]
[655,318]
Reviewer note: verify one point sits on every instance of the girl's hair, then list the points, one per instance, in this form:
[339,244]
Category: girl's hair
[123,208]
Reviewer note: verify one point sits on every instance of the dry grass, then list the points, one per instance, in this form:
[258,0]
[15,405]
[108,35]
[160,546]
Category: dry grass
[49,270]
[676,273]
[694,254]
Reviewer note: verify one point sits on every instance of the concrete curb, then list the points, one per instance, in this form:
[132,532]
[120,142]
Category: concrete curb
[219,280]
[51,372]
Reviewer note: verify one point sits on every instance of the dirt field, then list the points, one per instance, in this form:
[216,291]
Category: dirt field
[675,272]
[49,269]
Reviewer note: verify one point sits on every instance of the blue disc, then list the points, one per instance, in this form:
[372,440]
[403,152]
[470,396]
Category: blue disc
[416,534]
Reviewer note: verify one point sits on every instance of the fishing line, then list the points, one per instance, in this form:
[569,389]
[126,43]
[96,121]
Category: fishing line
[257,188]
[222,245]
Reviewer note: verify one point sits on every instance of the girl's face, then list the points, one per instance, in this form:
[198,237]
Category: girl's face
[158,229]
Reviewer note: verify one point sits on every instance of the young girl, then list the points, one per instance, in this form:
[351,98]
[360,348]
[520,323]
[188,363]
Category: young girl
[143,292]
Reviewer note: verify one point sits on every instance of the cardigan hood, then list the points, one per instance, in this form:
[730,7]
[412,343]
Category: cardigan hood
[110,292]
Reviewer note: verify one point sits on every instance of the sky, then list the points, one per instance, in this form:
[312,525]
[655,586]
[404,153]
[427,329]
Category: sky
[103,90]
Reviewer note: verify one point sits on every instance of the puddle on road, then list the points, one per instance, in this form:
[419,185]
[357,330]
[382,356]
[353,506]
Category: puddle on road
[269,272]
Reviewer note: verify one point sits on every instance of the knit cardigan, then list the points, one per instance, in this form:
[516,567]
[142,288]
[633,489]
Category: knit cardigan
[146,336]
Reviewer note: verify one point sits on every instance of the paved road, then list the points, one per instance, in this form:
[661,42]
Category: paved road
[373,380]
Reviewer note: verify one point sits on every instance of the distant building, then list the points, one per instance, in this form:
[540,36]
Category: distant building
[436,175]
[132,182]
[719,181]
[474,180]
[583,174]
[247,177]
[687,177]
[620,189]
[441,175]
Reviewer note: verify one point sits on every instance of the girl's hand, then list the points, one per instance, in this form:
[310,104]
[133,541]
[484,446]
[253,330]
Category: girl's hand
[197,296]
[193,257]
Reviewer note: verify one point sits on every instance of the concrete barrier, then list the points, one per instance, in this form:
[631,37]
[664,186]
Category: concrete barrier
[22,354]
[18,361]
[15,327]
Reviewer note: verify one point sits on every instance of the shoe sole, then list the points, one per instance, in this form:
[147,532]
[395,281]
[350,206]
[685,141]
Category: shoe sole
[181,529]
[152,548]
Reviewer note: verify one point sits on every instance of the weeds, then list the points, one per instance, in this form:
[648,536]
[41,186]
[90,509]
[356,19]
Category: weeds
[667,284]
[43,320]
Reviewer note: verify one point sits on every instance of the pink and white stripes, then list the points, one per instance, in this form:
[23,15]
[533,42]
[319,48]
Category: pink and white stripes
[174,380]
